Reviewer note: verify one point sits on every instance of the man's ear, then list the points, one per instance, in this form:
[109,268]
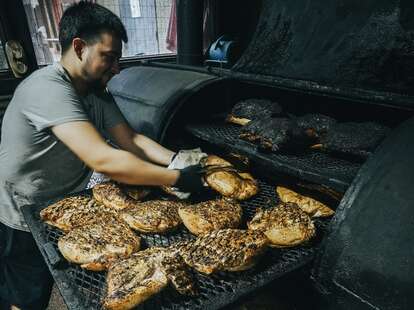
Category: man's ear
[79,47]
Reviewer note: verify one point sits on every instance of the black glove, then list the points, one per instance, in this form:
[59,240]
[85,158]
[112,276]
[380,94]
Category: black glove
[190,179]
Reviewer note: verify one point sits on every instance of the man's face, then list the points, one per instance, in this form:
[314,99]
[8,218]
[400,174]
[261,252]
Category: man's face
[101,61]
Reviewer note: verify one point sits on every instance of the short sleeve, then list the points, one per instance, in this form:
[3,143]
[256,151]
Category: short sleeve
[104,112]
[51,103]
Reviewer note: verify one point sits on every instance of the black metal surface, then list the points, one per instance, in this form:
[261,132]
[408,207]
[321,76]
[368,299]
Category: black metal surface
[367,260]
[189,32]
[83,289]
[148,96]
[312,166]
[341,44]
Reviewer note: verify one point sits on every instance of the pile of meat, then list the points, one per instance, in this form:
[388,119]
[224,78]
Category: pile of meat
[265,124]
[102,232]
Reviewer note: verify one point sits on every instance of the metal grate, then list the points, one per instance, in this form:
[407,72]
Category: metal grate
[85,289]
[311,166]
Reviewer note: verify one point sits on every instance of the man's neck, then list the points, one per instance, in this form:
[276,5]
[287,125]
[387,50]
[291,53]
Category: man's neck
[73,72]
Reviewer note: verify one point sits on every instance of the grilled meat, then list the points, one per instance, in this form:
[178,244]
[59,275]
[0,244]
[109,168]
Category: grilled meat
[358,139]
[207,216]
[315,125]
[285,225]
[73,211]
[250,109]
[135,192]
[133,280]
[213,160]
[232,184]
[223,250]
[96,245]
[112,196]
[276,134]
[311,206]
[153,216]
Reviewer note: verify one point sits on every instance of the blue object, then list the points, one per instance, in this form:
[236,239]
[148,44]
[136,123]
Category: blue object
[222,49]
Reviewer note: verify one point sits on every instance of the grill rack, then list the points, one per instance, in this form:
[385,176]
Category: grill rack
[83,289]
[312,166]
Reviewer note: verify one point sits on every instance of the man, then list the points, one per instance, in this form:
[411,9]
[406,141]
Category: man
[52,136]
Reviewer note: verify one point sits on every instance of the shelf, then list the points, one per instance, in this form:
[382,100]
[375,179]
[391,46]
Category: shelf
[312,166]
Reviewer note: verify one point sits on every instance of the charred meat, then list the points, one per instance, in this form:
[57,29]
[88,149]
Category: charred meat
[250,109]
[133,280]
[276,134]
[315,125]
[285,225]
[211,215]
[359,139]
[223,250]
[155,216]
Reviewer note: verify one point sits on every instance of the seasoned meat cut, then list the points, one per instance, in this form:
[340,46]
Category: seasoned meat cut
[112,195]
[285,225]
[210,215]
[359,139]
[231,183]
[276,134]
[155,216]
[214,160]
[135,192]
[74,211]
[133,280]
[315,125]
[95,246]
[250,109]
[311,206]
[223,250]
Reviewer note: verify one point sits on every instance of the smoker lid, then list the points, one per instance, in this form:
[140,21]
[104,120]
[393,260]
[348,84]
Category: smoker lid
[147,95]
[343,46]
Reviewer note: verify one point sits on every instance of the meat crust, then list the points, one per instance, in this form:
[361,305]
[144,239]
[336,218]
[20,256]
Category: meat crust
[223,250]
[155,216]
[207,216]
[133,280]
[72,212]
[285,225]
[232,184]
[311,206]
[96,245]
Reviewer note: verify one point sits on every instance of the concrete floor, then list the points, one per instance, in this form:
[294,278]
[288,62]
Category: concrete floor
[56,301]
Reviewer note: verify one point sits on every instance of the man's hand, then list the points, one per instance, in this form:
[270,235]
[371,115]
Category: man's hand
[190,179]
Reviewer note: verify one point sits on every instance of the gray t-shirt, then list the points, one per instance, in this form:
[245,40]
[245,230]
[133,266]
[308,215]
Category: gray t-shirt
[34,164]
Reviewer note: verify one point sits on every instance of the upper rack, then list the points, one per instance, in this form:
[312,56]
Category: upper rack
[312,166]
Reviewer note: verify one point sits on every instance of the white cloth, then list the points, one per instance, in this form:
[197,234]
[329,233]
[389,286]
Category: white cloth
[184,159]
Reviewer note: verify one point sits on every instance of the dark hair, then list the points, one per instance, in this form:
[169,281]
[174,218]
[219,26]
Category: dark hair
[88,20]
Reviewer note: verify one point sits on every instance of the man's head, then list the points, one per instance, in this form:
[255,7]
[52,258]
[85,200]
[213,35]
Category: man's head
[92,34]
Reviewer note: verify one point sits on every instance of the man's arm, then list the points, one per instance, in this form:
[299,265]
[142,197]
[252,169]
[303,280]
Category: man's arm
[84,140]
[145,148]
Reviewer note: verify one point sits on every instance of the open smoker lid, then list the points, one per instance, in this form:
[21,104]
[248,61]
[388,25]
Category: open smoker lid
[362,49]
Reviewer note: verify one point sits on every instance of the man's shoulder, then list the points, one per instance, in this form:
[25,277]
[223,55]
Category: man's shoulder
[46,81]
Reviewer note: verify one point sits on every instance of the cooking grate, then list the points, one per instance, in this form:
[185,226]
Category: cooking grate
[311,166]
[83,289]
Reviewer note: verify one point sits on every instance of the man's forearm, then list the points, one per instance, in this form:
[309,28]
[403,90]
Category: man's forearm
[152,151]
[124,167]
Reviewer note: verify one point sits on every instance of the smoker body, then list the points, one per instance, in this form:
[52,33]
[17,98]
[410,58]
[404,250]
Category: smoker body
[354,62]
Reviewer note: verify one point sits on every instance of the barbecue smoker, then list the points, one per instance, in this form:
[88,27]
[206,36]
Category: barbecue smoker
[349,60]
